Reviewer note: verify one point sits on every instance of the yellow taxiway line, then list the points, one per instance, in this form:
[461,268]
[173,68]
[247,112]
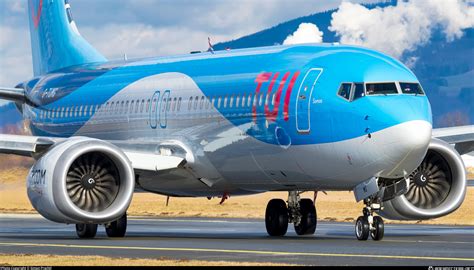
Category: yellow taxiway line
[236,251]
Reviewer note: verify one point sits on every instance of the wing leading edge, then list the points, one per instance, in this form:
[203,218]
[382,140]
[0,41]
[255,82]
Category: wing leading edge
[462,137]
[32,146]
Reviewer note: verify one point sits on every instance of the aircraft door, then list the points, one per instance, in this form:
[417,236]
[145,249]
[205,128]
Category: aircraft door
[164,107]
[154,110]
[303,100]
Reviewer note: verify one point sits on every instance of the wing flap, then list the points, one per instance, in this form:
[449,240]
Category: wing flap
[152,162]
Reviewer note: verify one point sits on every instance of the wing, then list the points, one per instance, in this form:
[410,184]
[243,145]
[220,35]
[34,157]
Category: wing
[462,137]
[141,160]
[25,145]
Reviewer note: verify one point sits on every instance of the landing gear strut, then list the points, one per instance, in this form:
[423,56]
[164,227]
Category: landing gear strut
[300,212]
[368,224]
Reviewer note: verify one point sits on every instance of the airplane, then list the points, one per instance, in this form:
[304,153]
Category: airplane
[299,118]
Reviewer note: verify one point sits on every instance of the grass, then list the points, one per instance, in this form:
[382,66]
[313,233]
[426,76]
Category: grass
[335,206]
[57,260]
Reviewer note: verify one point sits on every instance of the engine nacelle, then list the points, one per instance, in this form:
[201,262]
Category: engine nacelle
[82,180]
[437,187]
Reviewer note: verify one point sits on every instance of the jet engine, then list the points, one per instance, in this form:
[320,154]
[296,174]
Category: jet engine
[81,180]
[436,188]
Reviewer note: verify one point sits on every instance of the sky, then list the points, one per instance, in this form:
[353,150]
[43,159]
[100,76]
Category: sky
[145,28]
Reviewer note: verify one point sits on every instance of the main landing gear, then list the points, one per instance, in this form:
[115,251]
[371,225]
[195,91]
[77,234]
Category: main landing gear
[368,224]
[300,212]
[116,228]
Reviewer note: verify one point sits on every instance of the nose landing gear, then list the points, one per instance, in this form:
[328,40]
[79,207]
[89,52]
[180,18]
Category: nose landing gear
[368,224]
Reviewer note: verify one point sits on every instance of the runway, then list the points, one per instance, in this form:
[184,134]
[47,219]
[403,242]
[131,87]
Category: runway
[244,240]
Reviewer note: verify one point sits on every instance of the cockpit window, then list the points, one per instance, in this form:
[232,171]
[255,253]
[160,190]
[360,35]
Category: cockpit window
[345,90]
[411,88]
[381,88]
[359,91]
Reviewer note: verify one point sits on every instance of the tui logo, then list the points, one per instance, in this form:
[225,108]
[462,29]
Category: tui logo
[272,79]
[36,12]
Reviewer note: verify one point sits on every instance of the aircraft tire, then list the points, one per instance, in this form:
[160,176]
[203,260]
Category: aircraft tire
[276,218]
[362,228]
[308,222]
[86,231]
[117,228]
[378,232]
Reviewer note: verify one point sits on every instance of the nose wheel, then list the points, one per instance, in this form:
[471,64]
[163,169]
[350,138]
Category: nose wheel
[368,224]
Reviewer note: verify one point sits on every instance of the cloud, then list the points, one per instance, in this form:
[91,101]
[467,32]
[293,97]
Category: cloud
[404,27]
[306,33]
[140,40]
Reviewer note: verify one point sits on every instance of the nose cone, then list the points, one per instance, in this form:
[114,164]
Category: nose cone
[405,141]
[405,147]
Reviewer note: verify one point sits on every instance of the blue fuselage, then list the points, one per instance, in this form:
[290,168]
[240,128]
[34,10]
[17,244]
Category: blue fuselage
[268,110]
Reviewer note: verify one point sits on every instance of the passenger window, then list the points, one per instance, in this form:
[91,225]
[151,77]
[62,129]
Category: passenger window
[179,105]
[219,102]
[273,99]
[137,106]
[225,102]
[411,88]
[190,104]
[168,105]
[213,102]
[345,90]
[381,88]
[91,110]
[143,105]
[131,106]
[260,101]
[173,107]
[358,91]
[231,101]
[202,103]
[208,101]
[196,100]
[148,106]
